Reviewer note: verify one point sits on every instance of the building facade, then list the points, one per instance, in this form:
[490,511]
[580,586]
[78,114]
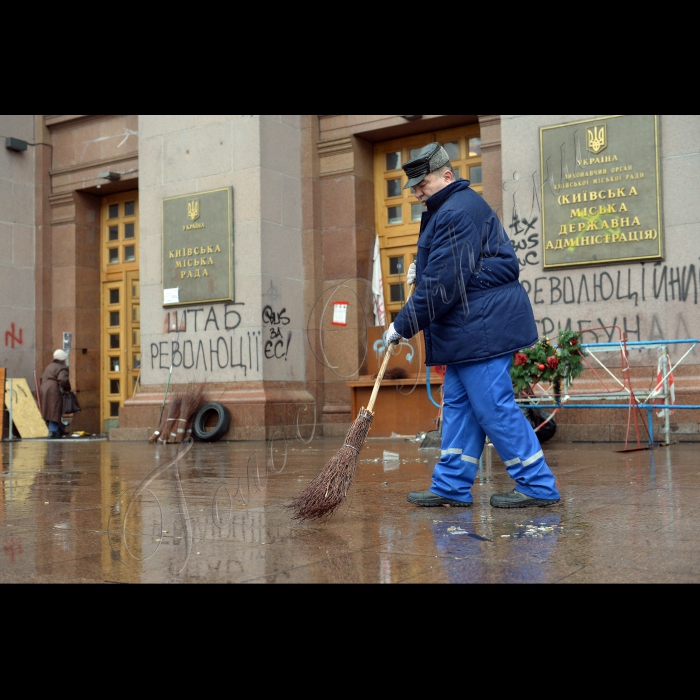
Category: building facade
[215,249]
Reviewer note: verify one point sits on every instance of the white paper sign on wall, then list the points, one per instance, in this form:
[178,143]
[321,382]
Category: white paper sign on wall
[171,296]
[340,313]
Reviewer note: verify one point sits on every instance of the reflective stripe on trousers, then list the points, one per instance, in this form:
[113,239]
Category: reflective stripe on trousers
[479,401]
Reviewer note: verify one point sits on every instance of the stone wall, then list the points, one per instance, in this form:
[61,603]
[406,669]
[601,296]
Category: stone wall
[647,301]
[79,147]
[249,352]
[642,298]
[17,242]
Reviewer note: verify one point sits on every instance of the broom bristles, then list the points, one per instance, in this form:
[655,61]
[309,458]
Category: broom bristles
[326,492]
[176,423]
[161,425]
[161,419]
[173,413]
[193,398]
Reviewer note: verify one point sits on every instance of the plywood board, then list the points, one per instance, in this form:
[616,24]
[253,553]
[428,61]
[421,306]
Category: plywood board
[25,412]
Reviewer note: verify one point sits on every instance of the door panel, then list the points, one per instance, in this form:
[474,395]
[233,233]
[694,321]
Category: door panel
[120,304]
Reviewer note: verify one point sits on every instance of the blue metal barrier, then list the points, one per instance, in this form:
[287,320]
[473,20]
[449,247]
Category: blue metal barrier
[555,402]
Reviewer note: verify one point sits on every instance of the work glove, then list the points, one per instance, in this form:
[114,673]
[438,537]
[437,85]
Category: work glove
[411,275]
[392,335]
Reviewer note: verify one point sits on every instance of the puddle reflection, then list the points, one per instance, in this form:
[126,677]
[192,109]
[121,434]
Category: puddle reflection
[128,512]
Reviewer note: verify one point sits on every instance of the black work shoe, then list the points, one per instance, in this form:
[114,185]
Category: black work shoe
[428,498]
[515,499]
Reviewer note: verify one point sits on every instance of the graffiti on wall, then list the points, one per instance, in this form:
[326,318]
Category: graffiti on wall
[524,221]
[11,337]
[231,348]
[524,239]
[664,282]
[276,339]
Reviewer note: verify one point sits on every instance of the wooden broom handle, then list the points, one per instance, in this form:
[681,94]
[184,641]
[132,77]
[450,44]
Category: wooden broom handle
[385,361]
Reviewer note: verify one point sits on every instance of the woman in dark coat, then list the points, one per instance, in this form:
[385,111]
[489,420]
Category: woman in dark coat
[54,378]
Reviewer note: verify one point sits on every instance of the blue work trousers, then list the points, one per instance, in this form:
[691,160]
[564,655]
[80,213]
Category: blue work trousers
[478,400]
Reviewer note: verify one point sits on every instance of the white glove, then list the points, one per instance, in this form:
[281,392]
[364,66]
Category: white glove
[392,335]
[411,275]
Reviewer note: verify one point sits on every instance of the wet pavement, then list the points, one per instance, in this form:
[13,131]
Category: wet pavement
[217,514]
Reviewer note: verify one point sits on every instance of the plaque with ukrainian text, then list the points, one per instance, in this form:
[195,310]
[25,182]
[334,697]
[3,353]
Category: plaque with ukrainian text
[601,192]
[198,248]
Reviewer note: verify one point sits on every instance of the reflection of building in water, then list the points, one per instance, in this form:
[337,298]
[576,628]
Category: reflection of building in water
[70,505]
[163,255]
[129,526]
[21,461]
[200,504]
[18,467]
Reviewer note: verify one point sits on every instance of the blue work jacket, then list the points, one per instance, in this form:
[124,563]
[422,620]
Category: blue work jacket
[468,300]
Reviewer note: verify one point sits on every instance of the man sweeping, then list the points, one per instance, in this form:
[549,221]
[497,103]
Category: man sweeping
[474,314]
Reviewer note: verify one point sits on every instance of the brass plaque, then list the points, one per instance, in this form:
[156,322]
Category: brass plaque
[198,248]
[601,193]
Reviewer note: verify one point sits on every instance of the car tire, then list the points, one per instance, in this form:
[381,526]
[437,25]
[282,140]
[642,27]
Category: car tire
[203,415]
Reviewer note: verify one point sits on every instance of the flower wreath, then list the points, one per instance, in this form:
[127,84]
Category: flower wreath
[549,363]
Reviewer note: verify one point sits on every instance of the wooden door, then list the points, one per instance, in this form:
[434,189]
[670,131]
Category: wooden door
[121,314]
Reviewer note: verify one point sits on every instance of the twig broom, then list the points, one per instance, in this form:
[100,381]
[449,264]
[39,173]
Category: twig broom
[328,489]
[169,431]
[193,397]
[160,426]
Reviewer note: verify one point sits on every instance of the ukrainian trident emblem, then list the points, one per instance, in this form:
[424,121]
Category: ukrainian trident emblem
[193,210]
[597,138]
